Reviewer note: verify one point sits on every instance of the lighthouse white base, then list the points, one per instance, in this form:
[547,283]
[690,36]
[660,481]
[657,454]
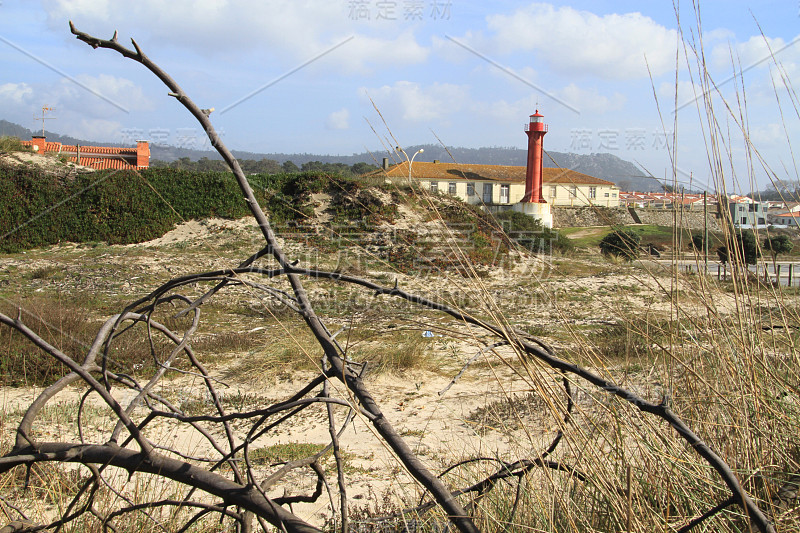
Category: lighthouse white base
[541,212]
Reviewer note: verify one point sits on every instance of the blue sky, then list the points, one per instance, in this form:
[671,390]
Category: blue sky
[466,72]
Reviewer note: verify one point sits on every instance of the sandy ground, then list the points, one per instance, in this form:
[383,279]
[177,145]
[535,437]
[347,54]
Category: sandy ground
[439,427]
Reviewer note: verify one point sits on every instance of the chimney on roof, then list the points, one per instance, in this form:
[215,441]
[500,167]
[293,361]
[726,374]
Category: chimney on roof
[436,161]
[385,165]
[39,143]
[536,130]
[142,154]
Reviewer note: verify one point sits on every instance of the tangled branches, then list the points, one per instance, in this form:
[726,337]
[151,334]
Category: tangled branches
[223,482]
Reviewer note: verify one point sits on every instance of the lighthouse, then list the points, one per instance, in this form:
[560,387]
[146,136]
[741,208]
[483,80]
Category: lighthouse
[533,203]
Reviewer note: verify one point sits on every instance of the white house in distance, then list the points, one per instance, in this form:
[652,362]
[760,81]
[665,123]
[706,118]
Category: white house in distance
[790,219]
[530,189]
[786,214]
[504,185]
[747,213]
[666,200]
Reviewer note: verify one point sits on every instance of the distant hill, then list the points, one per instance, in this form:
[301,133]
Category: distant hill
[606,166]
[625,174]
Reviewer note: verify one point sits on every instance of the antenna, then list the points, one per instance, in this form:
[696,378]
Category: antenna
[45,109]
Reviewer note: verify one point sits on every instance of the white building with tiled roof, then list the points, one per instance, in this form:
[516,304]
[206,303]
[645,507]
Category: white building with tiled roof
[790,219]
[501,185]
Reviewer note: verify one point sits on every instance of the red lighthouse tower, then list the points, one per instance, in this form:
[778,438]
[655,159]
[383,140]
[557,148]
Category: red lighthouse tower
[536,130]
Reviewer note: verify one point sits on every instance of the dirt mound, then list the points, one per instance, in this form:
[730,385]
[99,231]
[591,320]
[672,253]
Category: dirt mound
[48,163]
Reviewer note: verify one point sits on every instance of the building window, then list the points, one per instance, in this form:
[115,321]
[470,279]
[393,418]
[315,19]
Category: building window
[744,220]
[592,193]
[553,192]
[504,193]
[470,189]
[487,193]
[573,191]
[761,221]
[613,195]
[434,186]
[451,188]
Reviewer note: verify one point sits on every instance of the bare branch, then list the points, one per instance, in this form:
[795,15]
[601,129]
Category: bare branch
[242,490]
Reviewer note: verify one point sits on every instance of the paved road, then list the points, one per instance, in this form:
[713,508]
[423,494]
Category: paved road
[716,269]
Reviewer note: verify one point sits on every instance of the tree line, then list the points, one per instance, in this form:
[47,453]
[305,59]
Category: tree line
[267,166]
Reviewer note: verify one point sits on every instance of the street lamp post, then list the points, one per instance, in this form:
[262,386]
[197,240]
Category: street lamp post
[410,161]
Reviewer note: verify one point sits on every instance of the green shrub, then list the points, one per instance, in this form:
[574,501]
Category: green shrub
[12,144]
[123,207]
[529,233]
[621,243]
[745,247]
[698,242]
[778,244]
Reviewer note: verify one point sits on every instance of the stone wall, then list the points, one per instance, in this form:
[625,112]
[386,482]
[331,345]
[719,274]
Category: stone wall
[567,217]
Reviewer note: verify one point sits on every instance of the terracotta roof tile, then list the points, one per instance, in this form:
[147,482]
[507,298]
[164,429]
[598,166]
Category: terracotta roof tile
[455,171]
[104,163]
[125,157]
[99,150]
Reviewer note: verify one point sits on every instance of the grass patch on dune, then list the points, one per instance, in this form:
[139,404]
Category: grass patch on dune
[583,237]
[283,453]
[12,144]
[63,324]
[283,349]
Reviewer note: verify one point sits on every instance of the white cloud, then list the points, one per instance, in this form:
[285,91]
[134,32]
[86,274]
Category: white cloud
[18,104]
[762,64]
[391,53]
[293,30]
[590,101]
[756,51]
[93,128]
[502,111]
[690,95]
[508,75]
[338,120]
[77,110]
[86,95]
[717,34]
[579,42]
[120,90]
[421,104]
[767,135]
[16,94]
[95,96]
